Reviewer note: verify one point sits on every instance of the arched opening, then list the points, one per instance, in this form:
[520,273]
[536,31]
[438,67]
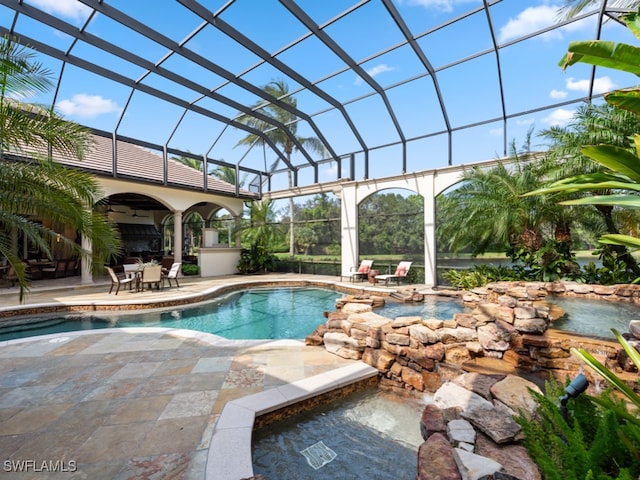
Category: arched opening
[391,229]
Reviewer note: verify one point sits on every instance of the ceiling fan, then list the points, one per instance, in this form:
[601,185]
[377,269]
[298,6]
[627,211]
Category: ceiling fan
[111,210]
[135,214]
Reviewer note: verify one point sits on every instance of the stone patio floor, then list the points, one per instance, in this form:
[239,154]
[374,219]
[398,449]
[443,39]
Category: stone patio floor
[133,403]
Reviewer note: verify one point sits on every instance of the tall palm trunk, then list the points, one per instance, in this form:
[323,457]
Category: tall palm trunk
[292,240]
[622,251]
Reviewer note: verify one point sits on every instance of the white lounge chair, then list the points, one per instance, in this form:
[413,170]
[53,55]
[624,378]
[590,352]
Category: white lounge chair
[400,273]
[362,271]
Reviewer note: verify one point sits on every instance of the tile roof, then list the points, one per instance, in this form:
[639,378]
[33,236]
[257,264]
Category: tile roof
[137,163]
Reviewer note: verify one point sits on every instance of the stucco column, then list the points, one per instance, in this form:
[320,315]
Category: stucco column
[86,276]
[349,227]
[177,236]
[238,225]
[429,238]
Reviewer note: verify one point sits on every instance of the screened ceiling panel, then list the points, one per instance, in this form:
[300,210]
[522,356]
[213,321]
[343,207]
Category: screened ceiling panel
[475,87]
[417,113]
[285,27]
[385,86]
[303,56]
[467,37]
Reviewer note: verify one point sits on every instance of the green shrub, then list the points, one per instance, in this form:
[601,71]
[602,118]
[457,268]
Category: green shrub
[593,443]
[190,269]
[480,275]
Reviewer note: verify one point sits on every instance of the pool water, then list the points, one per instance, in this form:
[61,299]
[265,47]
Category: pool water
[594,317]
[261,313]
[442,309]
[369,434]
[295,312]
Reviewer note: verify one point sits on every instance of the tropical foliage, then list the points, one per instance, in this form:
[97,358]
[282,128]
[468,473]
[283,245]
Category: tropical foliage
[615,381]
[260,235]
[601,439]
[589,443]
[391,223]
[617,184]
[489,212]
[280,90]
[41,201]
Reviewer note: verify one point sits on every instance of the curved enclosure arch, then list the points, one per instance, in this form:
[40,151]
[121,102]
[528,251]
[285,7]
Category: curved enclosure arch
[391,229]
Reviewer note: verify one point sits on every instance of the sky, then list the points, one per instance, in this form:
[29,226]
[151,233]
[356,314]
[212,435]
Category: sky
[468,85]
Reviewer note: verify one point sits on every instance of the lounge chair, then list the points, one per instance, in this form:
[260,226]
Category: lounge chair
[172,274]
[401,272]
[362,272]
[117,280]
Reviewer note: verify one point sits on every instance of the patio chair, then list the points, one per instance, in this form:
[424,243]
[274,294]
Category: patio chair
[11,277]
[362,272]
[72,267]
[172,274]
[56,270]
[400,273]
[151,275]
[117,280]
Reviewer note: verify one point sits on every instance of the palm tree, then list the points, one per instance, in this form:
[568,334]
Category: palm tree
[189,162]
[573,8]
[594,125]
[488,210]
[38,188]
[261,233]
[227,174]
[279,89]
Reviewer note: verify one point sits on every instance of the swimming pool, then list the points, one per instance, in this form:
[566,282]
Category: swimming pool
[295,312]
[258,313]
[369,434]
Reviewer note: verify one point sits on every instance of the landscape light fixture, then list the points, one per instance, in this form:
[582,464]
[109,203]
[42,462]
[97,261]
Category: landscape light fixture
[577,386]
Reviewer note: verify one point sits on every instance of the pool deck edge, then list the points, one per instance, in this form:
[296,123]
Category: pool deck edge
[230,452]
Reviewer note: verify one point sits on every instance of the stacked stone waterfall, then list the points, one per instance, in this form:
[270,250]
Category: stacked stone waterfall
[505,337]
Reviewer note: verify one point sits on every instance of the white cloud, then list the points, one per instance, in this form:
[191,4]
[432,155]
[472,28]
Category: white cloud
[87,106]
[533,19]
[331,171]
[525,121]
[441,5]
[72,9]
[528,21]
[378,69]
[374,71]
[496,132]
[558,94]
[559,117]
[600,85]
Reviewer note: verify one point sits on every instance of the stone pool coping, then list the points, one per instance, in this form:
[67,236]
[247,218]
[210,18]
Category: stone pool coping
[81,299]
[230,451]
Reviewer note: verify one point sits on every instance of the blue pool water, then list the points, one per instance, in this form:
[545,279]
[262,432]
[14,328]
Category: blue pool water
[294,313]
[369,434]
[261,313]
[274,313]
[594,317]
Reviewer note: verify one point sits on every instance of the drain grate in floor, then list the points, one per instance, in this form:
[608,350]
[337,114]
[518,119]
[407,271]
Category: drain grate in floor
[318,455]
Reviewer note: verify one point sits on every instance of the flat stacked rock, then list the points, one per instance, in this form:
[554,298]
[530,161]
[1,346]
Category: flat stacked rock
[470,431]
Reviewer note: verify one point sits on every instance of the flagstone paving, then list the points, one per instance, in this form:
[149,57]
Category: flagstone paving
[129,403]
